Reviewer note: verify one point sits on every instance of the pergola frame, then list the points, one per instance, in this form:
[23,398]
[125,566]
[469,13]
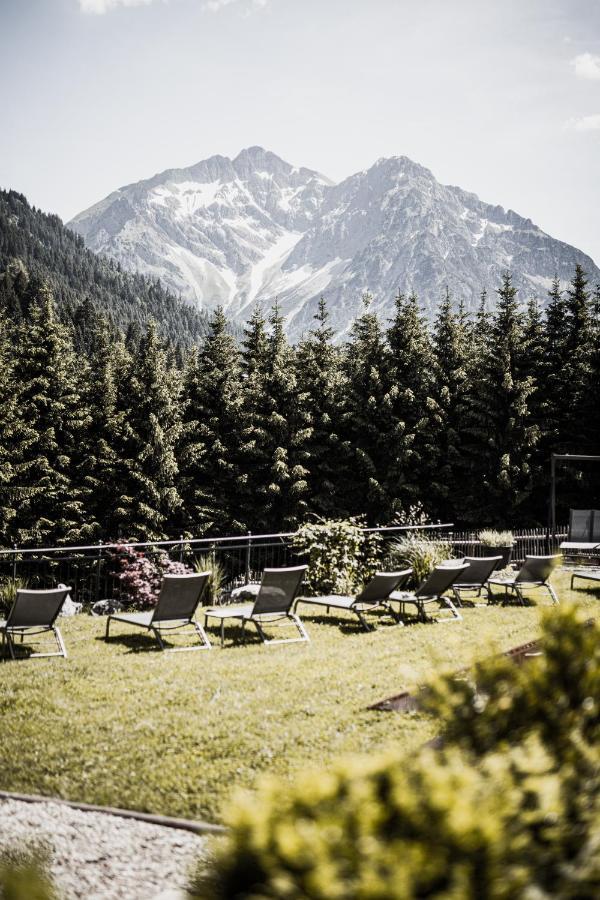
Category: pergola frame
[562,458]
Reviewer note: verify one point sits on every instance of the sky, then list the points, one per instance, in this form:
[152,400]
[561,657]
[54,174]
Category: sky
[500,97]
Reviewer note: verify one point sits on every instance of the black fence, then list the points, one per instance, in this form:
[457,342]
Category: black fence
[93,570]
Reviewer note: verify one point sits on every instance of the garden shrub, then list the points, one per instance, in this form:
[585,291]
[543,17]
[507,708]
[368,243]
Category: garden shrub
[508,807]
[8,593]
[418,552]
[140,576]
[341,556]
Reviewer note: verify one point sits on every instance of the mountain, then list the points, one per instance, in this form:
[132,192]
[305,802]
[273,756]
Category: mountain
[53,253]
[252,229]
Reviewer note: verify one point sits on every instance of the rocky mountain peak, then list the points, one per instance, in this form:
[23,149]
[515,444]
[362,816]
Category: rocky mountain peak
[241,231]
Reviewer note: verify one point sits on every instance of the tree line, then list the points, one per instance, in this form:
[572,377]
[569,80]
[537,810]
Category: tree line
[105,435]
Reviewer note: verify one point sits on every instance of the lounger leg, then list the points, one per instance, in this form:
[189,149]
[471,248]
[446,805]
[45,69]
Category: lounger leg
[161,643]
[202,634]
[59,641]
[107,628]
[261,633]
[552,593]
[299,626]
[363,621]
[11,648]
[452,608]
[222,632]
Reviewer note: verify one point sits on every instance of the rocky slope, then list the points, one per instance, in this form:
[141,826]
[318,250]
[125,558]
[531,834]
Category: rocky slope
[252,229]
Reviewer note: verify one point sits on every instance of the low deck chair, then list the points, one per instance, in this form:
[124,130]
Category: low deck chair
[179,598]
[273,606]
[434,589]
[34,612]
[475,577]
[373,596]
[534,573]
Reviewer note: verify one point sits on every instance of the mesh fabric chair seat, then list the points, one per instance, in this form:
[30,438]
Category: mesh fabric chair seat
[273,606]
[375,595]
[179,598]
[433,591]
[33,613]
[475,577]
[534,573]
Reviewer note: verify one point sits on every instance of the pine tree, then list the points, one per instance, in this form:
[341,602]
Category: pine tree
[50,508]
[209,449]
[148,503]
[367,412]
[321,391]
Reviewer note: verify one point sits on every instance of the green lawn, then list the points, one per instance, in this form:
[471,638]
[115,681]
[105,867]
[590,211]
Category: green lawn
[126,725]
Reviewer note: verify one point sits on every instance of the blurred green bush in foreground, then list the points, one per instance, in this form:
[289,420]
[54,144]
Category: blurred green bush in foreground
[508,807]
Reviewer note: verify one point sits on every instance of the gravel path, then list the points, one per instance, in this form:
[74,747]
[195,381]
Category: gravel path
[95,855]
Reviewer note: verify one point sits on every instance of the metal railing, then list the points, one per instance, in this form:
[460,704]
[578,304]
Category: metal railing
[92,570]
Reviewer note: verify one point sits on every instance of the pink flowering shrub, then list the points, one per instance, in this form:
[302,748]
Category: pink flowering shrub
[140,576]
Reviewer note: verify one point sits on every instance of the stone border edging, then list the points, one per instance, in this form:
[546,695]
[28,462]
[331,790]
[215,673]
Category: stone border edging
[150,818]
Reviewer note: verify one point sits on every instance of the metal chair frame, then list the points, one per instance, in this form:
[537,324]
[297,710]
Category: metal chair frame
[9,632]
[156,626]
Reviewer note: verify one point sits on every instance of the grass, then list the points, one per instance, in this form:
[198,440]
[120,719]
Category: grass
[125,725]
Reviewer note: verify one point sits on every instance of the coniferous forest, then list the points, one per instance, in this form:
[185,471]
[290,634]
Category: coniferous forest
[112,426]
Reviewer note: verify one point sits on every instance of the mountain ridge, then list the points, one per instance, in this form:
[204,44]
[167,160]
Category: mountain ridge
[237,232]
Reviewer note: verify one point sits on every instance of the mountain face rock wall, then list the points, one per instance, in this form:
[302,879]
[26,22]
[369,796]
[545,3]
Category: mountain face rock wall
[252,229]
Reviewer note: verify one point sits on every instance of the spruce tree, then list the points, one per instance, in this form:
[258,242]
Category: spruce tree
[13,434]
[98,464]
[275,429]
[45,379]
[514,434]
[576,373]
[367,418]
[148,503]
[321,390]
[451,338]
[412,443]
[210,479]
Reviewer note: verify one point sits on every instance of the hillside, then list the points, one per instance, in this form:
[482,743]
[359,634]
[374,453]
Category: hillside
[52,252]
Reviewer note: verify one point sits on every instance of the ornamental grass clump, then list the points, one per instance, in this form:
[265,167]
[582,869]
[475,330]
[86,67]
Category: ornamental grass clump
[207,563]
[508,807]
[491,538]
[418,552]
[341,556]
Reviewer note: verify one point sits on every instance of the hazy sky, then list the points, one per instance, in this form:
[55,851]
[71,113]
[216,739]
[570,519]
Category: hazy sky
[501,97]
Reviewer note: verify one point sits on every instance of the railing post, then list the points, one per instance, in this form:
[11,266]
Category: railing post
[15,548]
[180,548]
[98,564]
[248,551]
